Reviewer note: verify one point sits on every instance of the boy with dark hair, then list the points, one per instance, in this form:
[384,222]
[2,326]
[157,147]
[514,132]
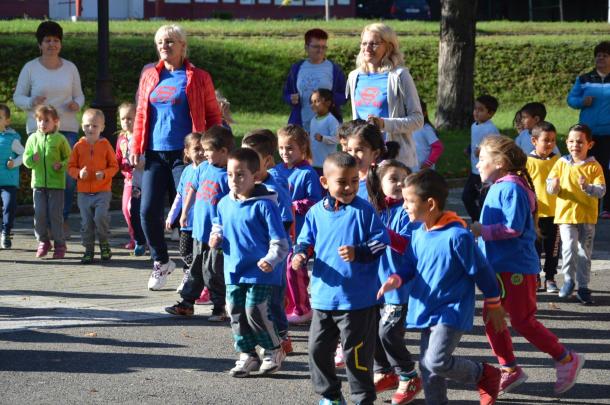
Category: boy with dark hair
[208,185]
[346,129]
[347,238]
[485,107]
[531,114]
[249,230]
[447,266]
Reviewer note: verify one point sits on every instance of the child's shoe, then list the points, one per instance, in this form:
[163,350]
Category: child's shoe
[130,245]
[551,286]
[204,298]
[286,344]
[105,252]
[385,381]
[87,257]
[59,252]
[339,359]
[584,296]
[512,379]
[185,277]
[489,385]
[139,250]
[246,364]
[272,360]
[566,289]
[568,373]
[43,249]
[5,241]
[327,401]
[218,315]
[181,309]
[298,319]
[407,390]
[158,277]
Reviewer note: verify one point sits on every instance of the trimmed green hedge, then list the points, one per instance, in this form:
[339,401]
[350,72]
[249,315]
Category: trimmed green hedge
[251,71]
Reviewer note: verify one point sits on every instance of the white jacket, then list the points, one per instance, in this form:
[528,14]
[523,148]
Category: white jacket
[404,109]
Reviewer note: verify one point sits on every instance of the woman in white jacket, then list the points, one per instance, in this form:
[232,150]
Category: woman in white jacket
[383,92]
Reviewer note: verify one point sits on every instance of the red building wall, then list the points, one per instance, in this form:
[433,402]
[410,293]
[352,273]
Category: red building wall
[19,8]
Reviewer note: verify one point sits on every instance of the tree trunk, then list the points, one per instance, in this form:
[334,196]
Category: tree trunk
[455,96]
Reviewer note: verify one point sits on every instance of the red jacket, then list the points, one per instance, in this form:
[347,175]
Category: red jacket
[199,93]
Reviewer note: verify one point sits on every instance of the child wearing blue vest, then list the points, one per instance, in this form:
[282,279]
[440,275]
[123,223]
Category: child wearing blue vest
[347,238]
[447,266]
[394,367]
[264,143]
[209,184]
[193,156]
[11,152]
[507,236]
[295,151]
[249,229]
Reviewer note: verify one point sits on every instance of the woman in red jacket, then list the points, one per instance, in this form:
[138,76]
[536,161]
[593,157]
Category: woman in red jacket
[174,99]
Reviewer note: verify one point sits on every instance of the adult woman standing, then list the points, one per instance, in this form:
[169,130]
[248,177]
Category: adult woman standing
[310,74]
[52,80]
[174,99]
[383,91]
[591,95]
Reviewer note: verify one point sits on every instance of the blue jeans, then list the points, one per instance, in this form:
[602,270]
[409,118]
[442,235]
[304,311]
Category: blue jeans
[72,137]
[9,207]
[162,172]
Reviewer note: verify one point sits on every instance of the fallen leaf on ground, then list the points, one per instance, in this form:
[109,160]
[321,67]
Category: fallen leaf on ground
[91,334]
[552,305]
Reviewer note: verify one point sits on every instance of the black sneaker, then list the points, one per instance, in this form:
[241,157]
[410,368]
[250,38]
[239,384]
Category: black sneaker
[5,241]
[181,309]
[105,252]
[218,315]
[584,296]
[87,257]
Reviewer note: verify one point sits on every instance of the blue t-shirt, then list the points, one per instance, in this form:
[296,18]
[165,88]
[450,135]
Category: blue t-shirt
[312,77]
[507,203]
[185,184]
[335,283]
[327,127]
[280,186]
[478,132]
[423,138]
[170,116]
[371,95]
[362,191]
[303,182]
[396,218]
[211,184]
[248,226]
[448,264]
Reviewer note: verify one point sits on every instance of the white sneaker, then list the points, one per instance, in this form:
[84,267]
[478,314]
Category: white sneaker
[246,364]
[272,360]
[184,279]
[339,358]
[158,277]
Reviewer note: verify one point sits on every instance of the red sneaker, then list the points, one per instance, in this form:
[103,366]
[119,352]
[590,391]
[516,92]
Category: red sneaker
[287,345]
[204,298]
[43,249]
[385,382]
[407,391]
[489,384]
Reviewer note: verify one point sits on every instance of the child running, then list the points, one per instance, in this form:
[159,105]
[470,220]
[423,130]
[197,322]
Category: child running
[93,164]
[578,181]
[129,204]
[47,153]
[540,161]
[507,235]
[347,238]
[427,145]
[447,266]
[295,152]
[249,229]
[323,128]
[394,367]
[11,157]
[193,156]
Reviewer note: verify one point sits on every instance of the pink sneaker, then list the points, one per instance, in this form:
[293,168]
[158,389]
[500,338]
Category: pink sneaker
[509,381]
[43,249]
[204,298]
[60,251]
[568,373]
[298,319]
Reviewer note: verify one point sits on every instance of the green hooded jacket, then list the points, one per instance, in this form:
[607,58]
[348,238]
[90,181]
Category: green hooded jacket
[51,148]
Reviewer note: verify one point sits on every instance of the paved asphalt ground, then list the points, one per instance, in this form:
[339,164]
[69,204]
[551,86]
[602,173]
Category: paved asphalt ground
[94,334]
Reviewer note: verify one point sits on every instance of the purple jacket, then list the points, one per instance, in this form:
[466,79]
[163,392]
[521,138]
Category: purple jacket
[291,88]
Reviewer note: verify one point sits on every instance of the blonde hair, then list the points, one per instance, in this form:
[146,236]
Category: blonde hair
[47,111]
[299,136]
[175,32]
[127,105]
[95,112]
[393,56]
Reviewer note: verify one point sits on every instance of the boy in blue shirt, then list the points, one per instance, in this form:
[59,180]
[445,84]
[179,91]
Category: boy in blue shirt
[249,229]
[209,185]
[448,265]
[484,109]
[348,238]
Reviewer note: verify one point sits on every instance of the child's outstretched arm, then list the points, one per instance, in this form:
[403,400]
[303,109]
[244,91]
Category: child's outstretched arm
[592,190]
[186,207]
[486,281]
[174,211]
[436,150]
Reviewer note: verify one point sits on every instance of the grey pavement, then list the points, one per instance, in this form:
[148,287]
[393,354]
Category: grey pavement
[94,334]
